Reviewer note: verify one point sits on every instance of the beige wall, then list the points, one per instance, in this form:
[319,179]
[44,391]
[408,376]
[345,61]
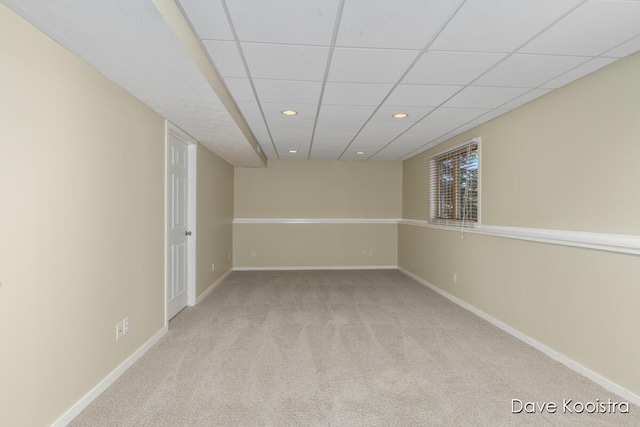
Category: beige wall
[566,161]
[315,245]
[213,218]
[81,225]
[312,190]
[319,189]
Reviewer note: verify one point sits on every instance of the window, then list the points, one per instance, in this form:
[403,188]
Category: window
[454,179]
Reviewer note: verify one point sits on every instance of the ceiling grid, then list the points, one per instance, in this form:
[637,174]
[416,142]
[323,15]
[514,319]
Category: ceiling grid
[449,65]
[345,66]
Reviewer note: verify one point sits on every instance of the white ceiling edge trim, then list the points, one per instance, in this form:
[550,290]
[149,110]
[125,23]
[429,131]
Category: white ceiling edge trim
[622,243]
[315,221]
[133,45]
[319,267]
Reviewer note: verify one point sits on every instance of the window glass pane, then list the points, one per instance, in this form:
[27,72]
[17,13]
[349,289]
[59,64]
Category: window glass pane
[445,205]
[454,185]
[467,188]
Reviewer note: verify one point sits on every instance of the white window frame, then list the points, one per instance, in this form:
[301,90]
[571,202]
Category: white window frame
[433,188]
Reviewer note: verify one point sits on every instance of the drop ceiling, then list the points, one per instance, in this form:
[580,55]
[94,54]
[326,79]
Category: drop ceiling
[346,66]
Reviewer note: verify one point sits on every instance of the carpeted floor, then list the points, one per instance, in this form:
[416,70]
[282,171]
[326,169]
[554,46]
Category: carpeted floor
[339,348]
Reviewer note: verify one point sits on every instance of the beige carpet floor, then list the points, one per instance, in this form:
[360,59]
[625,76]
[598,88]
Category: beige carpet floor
[339,348]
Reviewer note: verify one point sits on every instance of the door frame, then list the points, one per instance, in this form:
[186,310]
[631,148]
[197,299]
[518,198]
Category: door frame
[172,131]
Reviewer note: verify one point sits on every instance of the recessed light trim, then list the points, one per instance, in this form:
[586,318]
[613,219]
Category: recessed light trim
[293,151]
[289,112]
[400,115]
[359,153]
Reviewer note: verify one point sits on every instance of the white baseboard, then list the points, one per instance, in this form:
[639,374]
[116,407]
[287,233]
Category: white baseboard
[321,267]
[79,406]
[212,287]
[571,364]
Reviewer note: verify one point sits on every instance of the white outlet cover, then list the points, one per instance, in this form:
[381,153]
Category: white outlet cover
[118,330]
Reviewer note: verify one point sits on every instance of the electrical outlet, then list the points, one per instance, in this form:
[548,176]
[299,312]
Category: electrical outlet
[125,326]
[370,252]
[455,277]
[213,266]
[253,254]
[364,253]
[119,331]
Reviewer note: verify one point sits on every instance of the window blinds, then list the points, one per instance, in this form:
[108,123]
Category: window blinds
[454,185]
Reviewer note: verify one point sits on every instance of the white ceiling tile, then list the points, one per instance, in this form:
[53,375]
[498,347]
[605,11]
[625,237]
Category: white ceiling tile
[593,28]
[283,147]
[249,109]
[330,145]
[290,137]
[529,70]
[339,126]
[273,110]
[385,114]
[499,25]
[328,148]
[325,155]
[523,99]
[288,91]
[284,21]
[625,49]
[490,115]
[418,151]
[454,115]
[257,125]
[333,137]
[274,61]
[432,129]
[368,143]
[208,19]
[462,129]
[412,139]
[484,97]
[386,128]
[369,65]
[405,24]
[385,156]
[451,68]
[284,125]
[300,155]
[226,58]
[261,134]
[345,112]
[576,73]
[267,147]
[240,89]
[258,128]
[437,141]
[421,95]
[352,157]
[355,93]
[395,151]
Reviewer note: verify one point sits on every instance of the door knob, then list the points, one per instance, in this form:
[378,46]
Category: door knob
[187,233]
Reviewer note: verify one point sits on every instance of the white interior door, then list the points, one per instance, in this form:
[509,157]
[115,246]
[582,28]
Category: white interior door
[178,232]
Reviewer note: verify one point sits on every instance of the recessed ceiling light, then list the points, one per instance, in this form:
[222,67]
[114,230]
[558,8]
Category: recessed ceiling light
[289,112]
[293,151]
[400,115]
[359,153]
